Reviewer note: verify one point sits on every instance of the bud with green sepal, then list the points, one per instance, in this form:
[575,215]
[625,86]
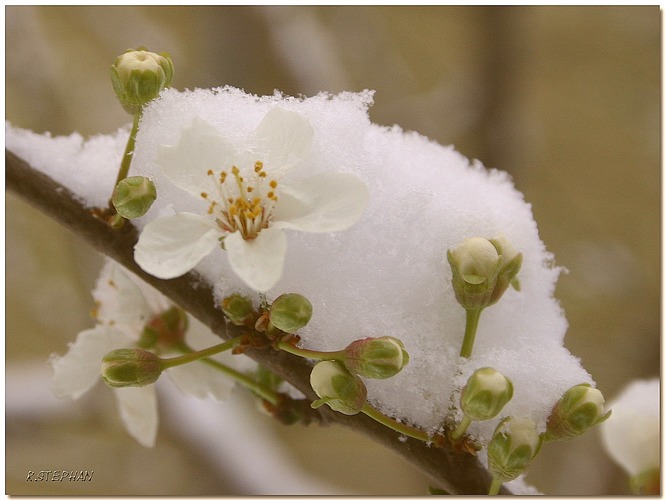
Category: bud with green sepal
[138,77]
[510,267]
[580,408]
[475,264]
[338,388]
[133,196]
[239,310]
[646,483]
[485,394]
[290,312]
[381,357]
[130,368]
[514,445]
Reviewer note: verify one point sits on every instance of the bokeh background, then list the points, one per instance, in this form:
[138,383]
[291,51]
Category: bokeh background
[564,98]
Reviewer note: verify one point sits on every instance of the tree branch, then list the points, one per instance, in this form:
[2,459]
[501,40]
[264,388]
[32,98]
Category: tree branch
[457,473]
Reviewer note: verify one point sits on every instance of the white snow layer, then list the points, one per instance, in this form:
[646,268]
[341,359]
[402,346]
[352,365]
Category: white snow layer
[388,274]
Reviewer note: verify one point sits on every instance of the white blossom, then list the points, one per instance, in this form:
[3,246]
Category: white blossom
[125,305]
[631,435]
[248,208]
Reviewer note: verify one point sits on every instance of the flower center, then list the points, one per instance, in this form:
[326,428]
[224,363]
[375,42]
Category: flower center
[243,205]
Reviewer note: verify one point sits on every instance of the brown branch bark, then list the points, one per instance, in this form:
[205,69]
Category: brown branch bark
[457,473]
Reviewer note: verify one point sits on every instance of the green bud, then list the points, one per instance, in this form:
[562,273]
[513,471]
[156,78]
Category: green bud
[485,394]
[290,312]
[130,368]
[381,357]
[483,270]
[138,76]
[239,309]
[166,329]
[580,408]
[647,482]
[338,388]
[133,196]
[475,264]
[513,447]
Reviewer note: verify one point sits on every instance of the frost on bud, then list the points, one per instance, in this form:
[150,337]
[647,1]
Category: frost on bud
[238,309]
[485,394]
[580,408]
[133,196]
[513,447]
[381,357]
[130,368]
[138,76]
[483,270]
[338,388]
[290,312]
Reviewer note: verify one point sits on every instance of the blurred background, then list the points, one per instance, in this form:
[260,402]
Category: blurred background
[565,98]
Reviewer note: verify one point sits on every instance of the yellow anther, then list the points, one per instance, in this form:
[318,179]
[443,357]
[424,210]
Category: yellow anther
[210,172]
[235,170]
[273,184]
[204,195]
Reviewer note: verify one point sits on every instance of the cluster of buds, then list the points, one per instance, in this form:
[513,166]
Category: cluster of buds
[580,408]
[165,330]
[138,76]
[130,368]
[338,388]
[483,270]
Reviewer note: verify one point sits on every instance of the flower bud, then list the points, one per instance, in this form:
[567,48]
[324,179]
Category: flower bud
[130,368]
[239,309]
[475,264]
[138,76]
[514,445]
[512,263]
[290,312]
[133,196]
[338,388]
[381,357]
[485,394]
[580,408]
[646,483]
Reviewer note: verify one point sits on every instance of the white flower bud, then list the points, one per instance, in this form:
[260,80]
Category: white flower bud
[485,394]
[513,447]
[475,264]
[138,76]
[338,388]
[579,409]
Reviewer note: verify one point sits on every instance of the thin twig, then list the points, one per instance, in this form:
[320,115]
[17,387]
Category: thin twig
[457,473]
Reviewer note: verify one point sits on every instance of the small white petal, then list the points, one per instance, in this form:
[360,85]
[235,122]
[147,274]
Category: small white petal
[260,261]
[170,246]
[284,139]
[200,149]
[138,410]
[326,202]
[78,370]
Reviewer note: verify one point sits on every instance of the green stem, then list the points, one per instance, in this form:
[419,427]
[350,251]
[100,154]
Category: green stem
[129,151]
[310,354]
[472,317]
[407,430]
[197,355]
[461,428]
[495,486]
[244,380]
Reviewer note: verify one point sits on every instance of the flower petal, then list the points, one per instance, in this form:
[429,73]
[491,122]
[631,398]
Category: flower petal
[259,262]
[78,370]
[200,148]
[138,410]
[284,139]
[331,201]
[170,246]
